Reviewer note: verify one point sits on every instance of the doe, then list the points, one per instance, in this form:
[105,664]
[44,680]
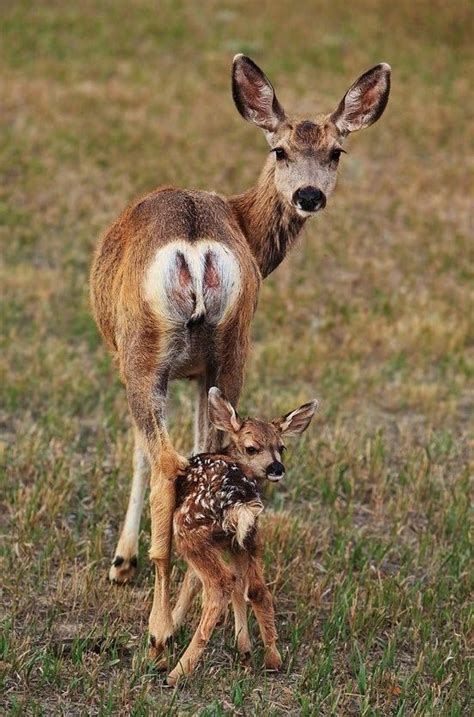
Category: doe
[175,282]
[218,503]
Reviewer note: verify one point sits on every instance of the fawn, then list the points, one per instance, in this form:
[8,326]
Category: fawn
[218,504]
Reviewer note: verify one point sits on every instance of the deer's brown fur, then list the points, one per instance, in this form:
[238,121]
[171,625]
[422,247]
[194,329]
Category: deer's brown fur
[216,527]
[175,281]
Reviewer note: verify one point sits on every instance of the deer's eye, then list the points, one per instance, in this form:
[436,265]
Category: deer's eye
[280,153]
[281,449]
[251,450]
[335,154]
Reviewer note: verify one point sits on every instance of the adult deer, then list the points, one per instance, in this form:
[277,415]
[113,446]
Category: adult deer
[175,281]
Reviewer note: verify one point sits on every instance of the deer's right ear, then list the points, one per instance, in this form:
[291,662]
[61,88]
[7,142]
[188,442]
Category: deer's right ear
[254,95]
[222,413]
[365,101]
[298,420]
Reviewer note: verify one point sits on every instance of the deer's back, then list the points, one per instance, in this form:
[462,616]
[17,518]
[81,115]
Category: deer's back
[158,241]
[209,496]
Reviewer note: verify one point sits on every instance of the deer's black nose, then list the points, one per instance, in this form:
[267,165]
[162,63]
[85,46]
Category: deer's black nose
[275,470]
[309,199]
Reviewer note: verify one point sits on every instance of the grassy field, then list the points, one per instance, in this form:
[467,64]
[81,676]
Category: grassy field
[367,543]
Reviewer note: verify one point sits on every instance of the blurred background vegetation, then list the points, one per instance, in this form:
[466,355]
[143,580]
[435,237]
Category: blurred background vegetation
[367,544]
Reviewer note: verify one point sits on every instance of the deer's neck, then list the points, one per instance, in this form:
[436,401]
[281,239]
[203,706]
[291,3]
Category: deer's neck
[269,224]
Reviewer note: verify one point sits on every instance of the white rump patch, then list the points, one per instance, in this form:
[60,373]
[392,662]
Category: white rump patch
[192,281]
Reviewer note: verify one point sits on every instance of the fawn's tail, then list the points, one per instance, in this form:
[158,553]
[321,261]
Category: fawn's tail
[242,517]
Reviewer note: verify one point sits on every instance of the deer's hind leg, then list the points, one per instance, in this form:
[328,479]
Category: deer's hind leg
[189,589]
[125,559]
[239,606]
[146,374]
[218,582]
[261,600]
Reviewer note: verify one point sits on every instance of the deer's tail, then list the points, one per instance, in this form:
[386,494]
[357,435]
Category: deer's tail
[241,518]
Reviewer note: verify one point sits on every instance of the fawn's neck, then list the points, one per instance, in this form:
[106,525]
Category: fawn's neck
[226,451]
[269,224]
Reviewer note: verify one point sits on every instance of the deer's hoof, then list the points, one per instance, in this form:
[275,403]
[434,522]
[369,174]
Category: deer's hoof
[172,679]
[246,658]
[122,569]
[157,651]
[273,660]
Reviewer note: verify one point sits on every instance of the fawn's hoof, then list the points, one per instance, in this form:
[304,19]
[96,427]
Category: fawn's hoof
[122,569]
[173,677]
[246,659]
[273,660]
[178,672]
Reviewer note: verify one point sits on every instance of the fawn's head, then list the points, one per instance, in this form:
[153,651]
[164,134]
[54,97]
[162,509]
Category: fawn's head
[258,445]
[307,151]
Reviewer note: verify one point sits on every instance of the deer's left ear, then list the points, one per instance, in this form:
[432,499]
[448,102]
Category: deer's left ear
[298,420]
[254,95]
[222,413]
[365,101]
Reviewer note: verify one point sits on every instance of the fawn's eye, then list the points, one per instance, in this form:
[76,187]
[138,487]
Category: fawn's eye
[336,154]
[251,450]
[281,449]
[280,153]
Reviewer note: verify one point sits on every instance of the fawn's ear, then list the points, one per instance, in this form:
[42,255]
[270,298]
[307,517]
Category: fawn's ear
[365,101]
[298,420]
[222,413]
[254,95]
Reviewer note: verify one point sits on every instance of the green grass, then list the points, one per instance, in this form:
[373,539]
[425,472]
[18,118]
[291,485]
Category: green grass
[367,544]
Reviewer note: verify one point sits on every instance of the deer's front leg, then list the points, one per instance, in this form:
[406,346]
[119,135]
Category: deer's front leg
[201,419]
[230,362]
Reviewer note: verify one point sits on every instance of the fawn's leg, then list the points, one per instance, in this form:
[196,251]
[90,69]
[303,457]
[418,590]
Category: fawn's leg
[125,561]
[242,636]
[218,583]
[189,589]
[262,605]
[239,606]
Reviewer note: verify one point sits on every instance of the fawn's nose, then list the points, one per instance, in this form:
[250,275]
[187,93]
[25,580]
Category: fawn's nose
[275,471]
[309,199]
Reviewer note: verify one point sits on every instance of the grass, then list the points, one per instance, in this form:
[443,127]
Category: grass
[367,544]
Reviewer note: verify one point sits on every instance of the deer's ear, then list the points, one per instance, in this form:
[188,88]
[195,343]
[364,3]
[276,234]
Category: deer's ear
[365,101]
[254,95]
[298,420]
[222,413]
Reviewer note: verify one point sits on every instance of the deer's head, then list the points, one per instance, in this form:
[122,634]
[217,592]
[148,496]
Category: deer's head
[258,445]
[307,151]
